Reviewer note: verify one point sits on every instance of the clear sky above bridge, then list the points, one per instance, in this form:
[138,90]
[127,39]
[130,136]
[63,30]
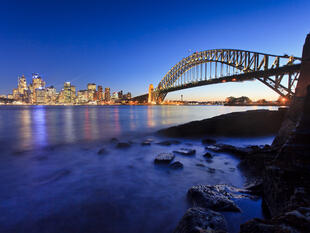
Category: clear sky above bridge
[127,45]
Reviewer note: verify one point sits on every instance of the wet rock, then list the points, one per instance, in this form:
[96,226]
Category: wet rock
[185,151]
[123,145]
[208,141]
[294,221]
[208,155]
[215,197]
[176,165]
[211,170]
[200,165]
[169,143]
[102,151]
[199,220]
[53,176]
[232,169]
[164,158]
[209,160]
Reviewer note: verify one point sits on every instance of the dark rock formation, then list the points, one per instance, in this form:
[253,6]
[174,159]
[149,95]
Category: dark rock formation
[176,165]
[249,123]
[294,221]
[164,158]
[215,197]
[185,151]
[146,143]
[199,220]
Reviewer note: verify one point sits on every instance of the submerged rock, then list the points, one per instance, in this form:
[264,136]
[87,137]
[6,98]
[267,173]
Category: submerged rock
[164,158]
[200,165]
[102,151]
[211,170]
[176,165]
[185,151]
[215,197]
[199,220]
[122,145]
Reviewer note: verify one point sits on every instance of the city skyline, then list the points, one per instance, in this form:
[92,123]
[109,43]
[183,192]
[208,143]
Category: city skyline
[129,46]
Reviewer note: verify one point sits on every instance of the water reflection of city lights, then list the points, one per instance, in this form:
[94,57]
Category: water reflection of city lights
[39,126]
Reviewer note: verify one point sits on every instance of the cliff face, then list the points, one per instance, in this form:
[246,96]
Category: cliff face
[286,186]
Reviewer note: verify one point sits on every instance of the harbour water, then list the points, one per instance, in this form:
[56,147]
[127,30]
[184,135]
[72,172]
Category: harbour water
[53,180]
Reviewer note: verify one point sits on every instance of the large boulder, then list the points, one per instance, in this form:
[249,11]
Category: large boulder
[199,220]
[164,158]
[217,197]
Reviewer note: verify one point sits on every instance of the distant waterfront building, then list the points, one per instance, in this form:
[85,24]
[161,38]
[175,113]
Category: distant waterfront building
[151,94]
[114,96]
[82,96]
[69,93]
[91,88]
[107,95]
[37,83]
[120,95]
[40,96]
[51,95]
[100,94]
[22,85]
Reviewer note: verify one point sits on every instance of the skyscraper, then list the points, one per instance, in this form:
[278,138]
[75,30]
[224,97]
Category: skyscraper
[151,94]
[107,95]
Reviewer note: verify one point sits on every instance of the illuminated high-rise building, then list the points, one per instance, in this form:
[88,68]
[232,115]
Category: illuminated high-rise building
[69,93]
[22,85]
[107,95]
[100,94]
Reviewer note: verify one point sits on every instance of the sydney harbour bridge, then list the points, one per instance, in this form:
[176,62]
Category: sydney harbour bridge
[280,73]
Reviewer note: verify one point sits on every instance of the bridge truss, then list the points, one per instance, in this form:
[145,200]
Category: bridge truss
[280,73]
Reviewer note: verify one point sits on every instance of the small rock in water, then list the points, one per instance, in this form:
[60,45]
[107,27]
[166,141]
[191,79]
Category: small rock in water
[164,158]
[102,151]
[146,143]
[215,197]
[123,145]
[208,141]
[176,165]
[200,165]
[185,151]
[169,142]
[209,160]
[208,155]
[201,220]
[232,169]
[114,140]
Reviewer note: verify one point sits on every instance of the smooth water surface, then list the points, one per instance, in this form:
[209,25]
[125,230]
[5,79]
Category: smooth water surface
[53,180]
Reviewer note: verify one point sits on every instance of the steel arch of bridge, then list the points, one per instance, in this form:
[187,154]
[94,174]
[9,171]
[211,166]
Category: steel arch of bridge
[280,73]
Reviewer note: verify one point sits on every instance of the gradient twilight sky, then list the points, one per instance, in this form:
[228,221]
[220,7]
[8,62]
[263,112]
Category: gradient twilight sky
[126,45]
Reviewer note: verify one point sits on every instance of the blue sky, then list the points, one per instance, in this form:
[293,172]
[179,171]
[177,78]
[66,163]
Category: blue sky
[126,45]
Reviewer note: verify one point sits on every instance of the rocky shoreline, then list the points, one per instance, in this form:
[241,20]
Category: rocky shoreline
[278,174]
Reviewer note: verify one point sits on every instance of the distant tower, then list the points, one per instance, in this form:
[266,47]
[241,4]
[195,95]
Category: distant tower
[182,98]
[151,93]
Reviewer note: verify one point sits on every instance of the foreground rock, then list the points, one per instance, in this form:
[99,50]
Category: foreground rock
[294,221]
[215,197]
[249,123]
[164,158]
[176,165]
[185,151]
[199,220]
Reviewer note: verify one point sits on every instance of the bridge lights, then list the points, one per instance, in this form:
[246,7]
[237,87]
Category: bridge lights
[234,80]
[283,100]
